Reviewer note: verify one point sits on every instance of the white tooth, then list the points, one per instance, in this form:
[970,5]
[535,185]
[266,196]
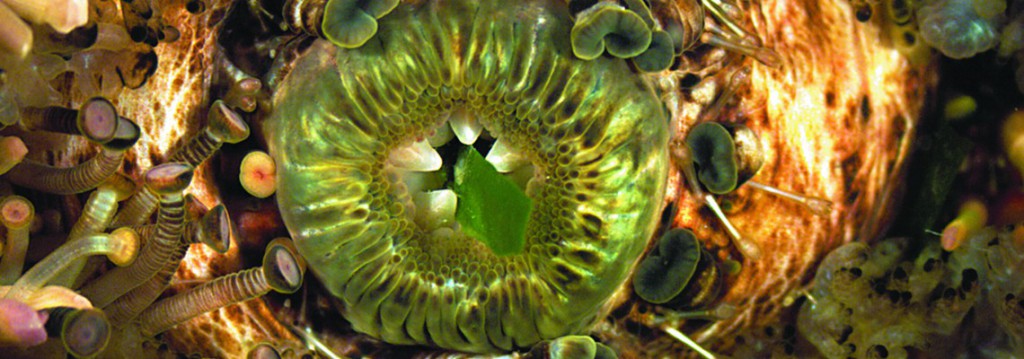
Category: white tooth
[435,209]
[418,156]
[522,176]
[466,128]
[441,136]
[417,182]
[503,158]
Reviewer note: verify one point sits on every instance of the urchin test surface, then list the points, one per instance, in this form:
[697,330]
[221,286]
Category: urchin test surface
[596,132]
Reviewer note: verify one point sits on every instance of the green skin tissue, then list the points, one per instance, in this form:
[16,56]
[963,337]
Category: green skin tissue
[491,207]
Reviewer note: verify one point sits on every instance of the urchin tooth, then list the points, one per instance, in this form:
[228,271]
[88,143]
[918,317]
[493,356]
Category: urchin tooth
[416,157]
[441,135]
[466,128]
[417,182]
[504,159]
[522,176]
[435,209]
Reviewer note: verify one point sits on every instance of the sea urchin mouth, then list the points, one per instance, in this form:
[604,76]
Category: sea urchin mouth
[424,176]
[595,129]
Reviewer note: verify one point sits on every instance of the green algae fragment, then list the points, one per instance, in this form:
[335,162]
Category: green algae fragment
[491,208]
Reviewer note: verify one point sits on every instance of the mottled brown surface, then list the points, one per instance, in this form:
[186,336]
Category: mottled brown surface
[836,121]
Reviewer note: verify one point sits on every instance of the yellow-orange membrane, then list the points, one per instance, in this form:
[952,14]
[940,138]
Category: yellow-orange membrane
[972,218]
[1013,139]
[16,214]
[258,174]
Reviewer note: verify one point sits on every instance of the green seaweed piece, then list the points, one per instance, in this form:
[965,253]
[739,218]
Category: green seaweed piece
[491,208]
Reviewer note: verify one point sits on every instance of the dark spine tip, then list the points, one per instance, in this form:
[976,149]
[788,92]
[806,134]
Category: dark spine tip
[87,334]
[169,178]
[98,120]
[225,124]
[282,268]
[218,228]
[84,332]
[125,136]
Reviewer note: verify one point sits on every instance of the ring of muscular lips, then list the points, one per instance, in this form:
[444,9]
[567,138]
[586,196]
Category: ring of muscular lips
[595,133]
